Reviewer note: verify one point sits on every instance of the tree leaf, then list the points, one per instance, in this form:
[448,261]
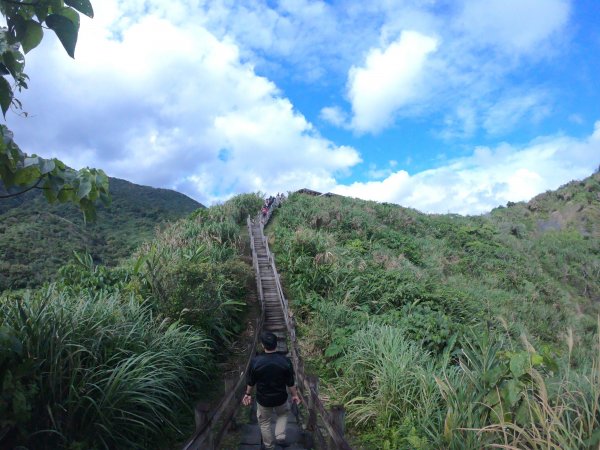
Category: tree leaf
[31,161]
[66,31]
[65,195]
[46,166]
[83,6]
[494,375]
[50,195]
[537,359]
[70,14]
[89,211]
[594,439]
[27,175]
[512,392]
[519,364]
[522,415]
[17,26]
[33,36]
[6,95]
[492,398]
[85,186]
[14,66]
[3,40]
[41,11]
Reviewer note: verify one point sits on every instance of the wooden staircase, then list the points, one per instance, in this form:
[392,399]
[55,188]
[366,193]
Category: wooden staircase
[274,317]
[275,323]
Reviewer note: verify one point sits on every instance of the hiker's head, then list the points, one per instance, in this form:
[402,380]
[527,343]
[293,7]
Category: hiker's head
[269,341]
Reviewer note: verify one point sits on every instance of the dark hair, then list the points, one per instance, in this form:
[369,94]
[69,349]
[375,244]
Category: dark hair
[269,340]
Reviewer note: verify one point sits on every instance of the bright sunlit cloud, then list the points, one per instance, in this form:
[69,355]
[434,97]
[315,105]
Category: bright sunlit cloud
[488,177]
[389,80]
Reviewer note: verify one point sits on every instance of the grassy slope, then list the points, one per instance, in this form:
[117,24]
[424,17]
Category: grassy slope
[350,264]
[37,238]
[524,260]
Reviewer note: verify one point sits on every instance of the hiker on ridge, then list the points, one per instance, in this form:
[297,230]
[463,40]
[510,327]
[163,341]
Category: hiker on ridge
[271,372]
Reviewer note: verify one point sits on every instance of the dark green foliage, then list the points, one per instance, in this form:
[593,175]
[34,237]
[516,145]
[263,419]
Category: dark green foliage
[36,239]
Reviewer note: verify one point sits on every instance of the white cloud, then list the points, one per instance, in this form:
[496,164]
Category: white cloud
[510,111]
[464,71]
[334,115]
[462,122]
[376,173]
[487,178]
[389,80]
[169,93]
[160,100]
[576,118]
[513,25]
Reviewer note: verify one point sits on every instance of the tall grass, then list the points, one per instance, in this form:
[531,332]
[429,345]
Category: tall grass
[399,396]
[562,413]
[387,381]
[95,371]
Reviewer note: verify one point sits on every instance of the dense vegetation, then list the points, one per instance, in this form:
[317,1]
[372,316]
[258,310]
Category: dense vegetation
[441,331]
[36,239]
[114,357]
[435,331]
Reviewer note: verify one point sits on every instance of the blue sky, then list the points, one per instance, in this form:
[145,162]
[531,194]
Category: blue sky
[445,106]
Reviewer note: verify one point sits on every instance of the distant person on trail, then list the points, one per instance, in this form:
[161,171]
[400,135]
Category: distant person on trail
[271,372]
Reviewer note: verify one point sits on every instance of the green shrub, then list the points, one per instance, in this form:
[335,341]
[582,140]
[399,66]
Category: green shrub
[387,380]
[94,370]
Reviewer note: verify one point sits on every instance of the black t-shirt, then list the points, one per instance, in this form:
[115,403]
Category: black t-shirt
[271,373]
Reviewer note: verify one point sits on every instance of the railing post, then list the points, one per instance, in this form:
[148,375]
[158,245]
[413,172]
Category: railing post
[201,415]
[338,415]
[313,386]
[230,384]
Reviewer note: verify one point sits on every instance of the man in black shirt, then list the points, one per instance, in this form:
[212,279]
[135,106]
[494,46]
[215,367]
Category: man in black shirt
[271,372]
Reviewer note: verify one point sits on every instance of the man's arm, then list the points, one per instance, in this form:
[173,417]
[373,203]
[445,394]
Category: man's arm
[250,382]
[247,399]
[295,397]
[292,385]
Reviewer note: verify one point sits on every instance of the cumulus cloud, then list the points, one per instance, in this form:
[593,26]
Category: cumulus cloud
[462,71]
[488,177]
[167,103]
[389,80]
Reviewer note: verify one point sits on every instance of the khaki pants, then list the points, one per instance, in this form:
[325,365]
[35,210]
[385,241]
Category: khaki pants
[264,414]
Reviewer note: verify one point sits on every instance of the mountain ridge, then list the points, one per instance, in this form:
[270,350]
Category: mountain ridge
[37,238]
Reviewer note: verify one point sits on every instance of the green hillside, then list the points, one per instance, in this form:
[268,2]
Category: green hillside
[432,327]
[37,238]
[434,331]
